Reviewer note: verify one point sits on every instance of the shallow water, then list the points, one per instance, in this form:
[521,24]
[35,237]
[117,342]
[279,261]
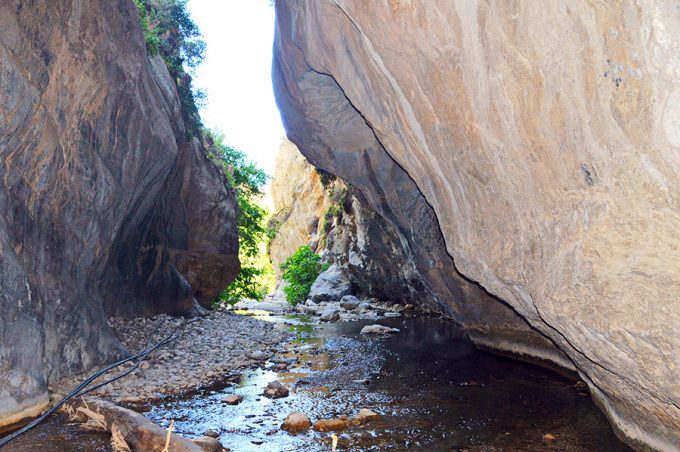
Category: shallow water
[433,388]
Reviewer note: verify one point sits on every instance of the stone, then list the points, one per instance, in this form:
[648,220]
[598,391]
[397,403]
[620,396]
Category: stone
[349,302]
[331,285]
[258,355]
[330,315]
[498,204]
[296,422]
[109,208]
[144,365]
[330,425]
[366,415]
[211,433]
[275,390]
[378,329]
[232,399]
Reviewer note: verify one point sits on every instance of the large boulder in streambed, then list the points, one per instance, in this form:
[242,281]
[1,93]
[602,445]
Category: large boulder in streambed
[331,285]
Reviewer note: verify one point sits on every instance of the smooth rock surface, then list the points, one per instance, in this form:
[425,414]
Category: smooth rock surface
[544,143]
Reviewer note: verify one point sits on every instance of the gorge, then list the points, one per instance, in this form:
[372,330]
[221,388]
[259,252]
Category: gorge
[510,169]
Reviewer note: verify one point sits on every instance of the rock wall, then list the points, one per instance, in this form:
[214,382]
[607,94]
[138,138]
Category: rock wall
[108,206]
[336,221]
[300,201]
[531,152]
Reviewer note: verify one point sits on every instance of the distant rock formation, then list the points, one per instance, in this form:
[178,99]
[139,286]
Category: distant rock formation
[107,206]
[531,152]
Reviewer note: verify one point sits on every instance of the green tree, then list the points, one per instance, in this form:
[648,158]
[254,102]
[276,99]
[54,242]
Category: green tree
[253,281]
[301,270]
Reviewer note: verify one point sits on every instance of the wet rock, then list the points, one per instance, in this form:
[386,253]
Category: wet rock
[349,302]
[328,425]
[378,329]
[275,390]
[330,315]
[392,314]
[332,284]
[232,399]
[211,433]
[296,422]
[366,415]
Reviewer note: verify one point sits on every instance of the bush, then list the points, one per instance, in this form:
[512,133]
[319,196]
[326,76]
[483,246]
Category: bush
[301,270]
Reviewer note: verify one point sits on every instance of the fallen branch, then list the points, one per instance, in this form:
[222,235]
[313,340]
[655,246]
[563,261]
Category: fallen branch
[134,431]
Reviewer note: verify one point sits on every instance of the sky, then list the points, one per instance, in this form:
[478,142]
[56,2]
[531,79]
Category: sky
[236,75]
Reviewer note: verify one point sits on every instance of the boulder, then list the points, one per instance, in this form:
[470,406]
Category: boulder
[349,302]
[330,285]
[330,315]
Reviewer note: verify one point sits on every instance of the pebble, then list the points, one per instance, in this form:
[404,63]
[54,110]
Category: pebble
[232,399]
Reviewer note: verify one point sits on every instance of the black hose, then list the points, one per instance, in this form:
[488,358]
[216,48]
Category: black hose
[79,391]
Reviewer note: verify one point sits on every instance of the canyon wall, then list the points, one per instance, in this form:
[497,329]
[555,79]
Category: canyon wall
[528,160]
[109,206]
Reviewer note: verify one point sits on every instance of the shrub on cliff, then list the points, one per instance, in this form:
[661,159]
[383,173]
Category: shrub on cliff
[301,270]
[170,31]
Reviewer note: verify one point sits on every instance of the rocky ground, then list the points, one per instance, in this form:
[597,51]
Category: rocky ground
[211,349]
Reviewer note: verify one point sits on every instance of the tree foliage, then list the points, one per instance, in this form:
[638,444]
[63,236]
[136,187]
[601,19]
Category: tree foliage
[170,31]
[248,180]
[301,270]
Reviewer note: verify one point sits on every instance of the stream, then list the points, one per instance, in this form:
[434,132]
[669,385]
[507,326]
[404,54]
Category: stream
[433,389]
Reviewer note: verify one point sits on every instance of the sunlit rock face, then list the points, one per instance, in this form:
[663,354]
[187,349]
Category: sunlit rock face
[107,206]
[543,144]
[299,200]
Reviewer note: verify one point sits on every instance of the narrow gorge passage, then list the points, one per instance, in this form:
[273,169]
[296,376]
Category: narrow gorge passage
[282,225]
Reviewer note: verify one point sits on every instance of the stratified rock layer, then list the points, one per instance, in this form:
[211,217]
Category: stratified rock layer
[108,207]
[541,143]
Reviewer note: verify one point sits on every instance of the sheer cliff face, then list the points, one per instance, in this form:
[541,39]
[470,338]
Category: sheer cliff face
[543,142]
[107,206]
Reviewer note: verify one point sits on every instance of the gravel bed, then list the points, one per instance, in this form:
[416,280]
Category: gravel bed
[210,350]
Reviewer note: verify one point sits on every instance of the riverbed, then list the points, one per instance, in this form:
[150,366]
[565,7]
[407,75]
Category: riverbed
[432,388]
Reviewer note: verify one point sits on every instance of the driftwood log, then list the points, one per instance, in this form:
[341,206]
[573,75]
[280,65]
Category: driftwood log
[133,431]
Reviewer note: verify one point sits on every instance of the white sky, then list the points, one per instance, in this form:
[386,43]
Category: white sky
[236,75]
